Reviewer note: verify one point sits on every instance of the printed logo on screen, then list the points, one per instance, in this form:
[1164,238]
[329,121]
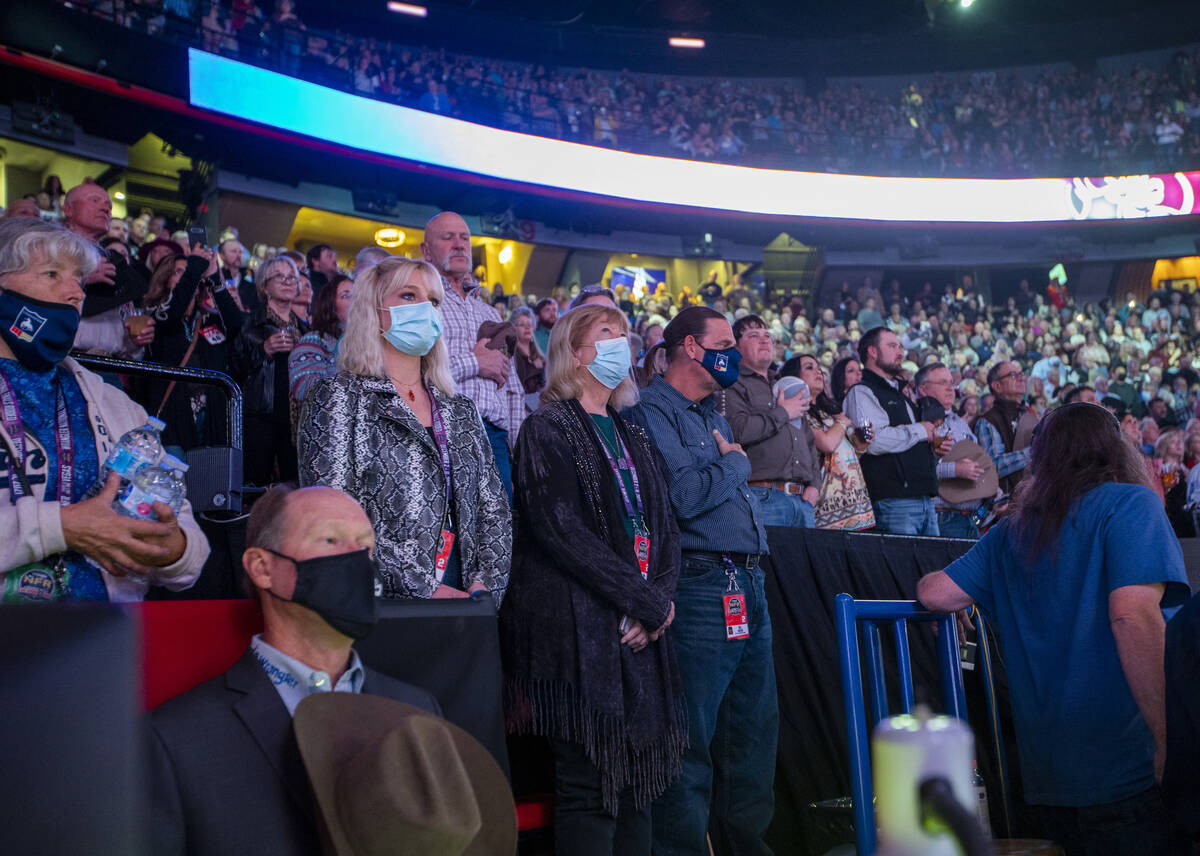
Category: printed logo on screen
[28,325]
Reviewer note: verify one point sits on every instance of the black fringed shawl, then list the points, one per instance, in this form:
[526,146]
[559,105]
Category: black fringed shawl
[566,674]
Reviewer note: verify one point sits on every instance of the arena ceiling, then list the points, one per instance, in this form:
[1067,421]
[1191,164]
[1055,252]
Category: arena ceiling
[790,18]
[783,37]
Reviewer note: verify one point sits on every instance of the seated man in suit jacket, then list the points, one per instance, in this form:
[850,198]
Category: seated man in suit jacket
[226,772]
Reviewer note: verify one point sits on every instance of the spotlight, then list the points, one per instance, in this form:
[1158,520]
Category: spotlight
[119,196]
[407,9]
[682,42]
[966,4]
[389,237]
[505,255]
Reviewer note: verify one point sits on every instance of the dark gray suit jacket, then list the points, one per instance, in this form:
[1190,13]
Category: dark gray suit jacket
[225,770]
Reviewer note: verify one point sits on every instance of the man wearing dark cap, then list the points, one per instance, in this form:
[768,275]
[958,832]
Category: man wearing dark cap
[226,772]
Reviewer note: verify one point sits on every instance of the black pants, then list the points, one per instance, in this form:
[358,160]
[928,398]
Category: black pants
[1135,825]
[267,442]
[581,825]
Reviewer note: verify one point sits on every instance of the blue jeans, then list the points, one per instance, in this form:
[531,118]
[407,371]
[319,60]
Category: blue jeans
[954,525]
[727,784]
[782,509]
[906,516]
[498,437]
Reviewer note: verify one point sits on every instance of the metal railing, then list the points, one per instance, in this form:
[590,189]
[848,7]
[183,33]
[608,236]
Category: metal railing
[155,371]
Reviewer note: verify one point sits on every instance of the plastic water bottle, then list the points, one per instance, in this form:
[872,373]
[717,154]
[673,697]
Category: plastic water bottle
[161,482]
[981,800]
[135,449]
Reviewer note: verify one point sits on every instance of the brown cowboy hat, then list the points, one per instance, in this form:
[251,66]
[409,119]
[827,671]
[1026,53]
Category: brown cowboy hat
[965,490]
[391,778]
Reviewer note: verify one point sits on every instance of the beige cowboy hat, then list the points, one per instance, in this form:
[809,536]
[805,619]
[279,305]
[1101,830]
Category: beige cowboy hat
[391,779]
[1024,431]
[966,490]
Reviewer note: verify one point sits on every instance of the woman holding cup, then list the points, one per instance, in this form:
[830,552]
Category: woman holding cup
[193,319]
[259,362]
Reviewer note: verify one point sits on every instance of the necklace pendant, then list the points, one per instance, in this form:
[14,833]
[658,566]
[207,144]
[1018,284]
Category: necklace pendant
[411,396]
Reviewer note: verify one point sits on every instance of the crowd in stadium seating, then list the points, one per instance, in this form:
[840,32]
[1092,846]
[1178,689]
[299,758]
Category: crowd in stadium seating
[1072,121]
[408,388]
[1140,354]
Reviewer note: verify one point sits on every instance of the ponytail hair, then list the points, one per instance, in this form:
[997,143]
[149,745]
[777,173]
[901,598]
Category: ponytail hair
[691,321]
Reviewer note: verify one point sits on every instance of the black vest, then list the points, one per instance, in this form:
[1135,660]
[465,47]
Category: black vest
[911,474]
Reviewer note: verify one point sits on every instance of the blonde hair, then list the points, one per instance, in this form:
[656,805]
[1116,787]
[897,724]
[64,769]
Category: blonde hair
[566,337]
[360,350]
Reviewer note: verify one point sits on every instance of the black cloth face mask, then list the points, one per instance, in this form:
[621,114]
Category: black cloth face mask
[339,588]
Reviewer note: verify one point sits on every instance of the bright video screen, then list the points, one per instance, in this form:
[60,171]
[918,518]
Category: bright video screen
[269,98]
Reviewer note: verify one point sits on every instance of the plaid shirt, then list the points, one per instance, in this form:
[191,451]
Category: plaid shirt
[503,407]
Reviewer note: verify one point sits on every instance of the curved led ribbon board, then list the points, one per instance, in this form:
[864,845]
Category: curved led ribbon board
[276,100]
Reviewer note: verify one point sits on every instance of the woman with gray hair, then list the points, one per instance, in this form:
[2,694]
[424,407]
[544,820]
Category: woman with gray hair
[58,422]
[258,361]
[531,365]
[389,430]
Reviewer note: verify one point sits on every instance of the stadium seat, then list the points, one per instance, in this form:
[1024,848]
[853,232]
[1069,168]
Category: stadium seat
[185,643]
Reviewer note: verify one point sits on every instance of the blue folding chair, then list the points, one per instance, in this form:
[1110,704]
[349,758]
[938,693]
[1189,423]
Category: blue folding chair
[873,615]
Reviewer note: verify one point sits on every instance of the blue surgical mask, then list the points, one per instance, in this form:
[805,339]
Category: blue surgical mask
[415,328]
[39,334]
[724,365]
[612,362]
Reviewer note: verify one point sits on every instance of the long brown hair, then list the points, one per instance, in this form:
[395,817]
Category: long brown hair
[1076,448]
[324,308]
[159,286]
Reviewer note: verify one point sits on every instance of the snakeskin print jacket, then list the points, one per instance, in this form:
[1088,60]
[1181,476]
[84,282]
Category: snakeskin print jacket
[358,435]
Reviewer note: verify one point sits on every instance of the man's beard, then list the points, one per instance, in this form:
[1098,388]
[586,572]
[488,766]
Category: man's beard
[894,370]
[547,324]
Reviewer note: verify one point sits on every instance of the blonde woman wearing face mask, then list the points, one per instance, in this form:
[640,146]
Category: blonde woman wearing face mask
[588,662]
[389,430]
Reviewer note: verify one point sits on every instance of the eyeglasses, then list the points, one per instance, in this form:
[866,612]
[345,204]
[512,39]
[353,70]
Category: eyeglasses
[1018,374]
[288,278]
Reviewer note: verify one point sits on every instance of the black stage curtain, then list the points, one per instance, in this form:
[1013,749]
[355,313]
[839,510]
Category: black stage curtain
[806,570]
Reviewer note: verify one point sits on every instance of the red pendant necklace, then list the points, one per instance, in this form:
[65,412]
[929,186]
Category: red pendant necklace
[412,396]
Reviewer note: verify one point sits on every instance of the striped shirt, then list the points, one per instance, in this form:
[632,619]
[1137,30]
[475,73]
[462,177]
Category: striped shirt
[503,407]
[1006,462]
[709,491]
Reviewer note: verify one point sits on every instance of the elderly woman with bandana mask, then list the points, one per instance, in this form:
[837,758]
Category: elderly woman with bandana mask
[587,661]
[58,422]
[390,430]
